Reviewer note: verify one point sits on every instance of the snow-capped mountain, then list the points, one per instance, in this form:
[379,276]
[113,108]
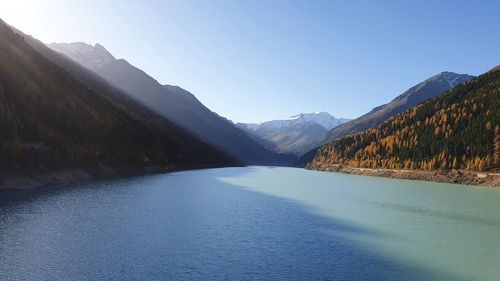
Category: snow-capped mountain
[293,135]
[323,119]
[453,79]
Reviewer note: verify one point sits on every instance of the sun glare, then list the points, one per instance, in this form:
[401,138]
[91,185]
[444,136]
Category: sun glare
[23,14]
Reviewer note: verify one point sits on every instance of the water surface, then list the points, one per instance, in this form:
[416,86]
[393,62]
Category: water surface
[254,223]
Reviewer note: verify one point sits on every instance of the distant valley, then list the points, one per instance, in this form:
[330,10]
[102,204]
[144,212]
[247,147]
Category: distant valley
[297,134]
[76,105]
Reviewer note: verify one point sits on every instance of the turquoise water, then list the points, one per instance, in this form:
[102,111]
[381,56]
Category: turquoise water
[254,223]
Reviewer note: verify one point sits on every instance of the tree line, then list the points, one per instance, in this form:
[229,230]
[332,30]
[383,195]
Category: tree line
[457,130]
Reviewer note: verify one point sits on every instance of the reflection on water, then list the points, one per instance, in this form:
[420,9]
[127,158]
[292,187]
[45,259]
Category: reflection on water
[254,223]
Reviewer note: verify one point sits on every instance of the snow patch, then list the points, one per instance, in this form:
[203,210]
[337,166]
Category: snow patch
[324,119]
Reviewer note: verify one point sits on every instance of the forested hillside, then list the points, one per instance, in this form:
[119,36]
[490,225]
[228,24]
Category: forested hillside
[174,103]
[458,130]
[430,88]
[49,118]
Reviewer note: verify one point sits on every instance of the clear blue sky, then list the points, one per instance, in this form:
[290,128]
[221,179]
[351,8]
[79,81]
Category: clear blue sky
[252,60]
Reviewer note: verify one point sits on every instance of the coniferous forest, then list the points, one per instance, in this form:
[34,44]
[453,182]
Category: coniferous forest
[458,130]
[48,118]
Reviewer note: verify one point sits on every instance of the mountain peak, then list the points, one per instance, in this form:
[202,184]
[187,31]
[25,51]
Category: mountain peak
[323,119]
[429,88]
[311,116]
[324,113]
[453,79]
[85,54]
[448,73]
[296,134]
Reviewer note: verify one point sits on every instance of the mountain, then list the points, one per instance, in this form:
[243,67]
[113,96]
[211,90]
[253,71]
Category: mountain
[296,135]
[423,91]
[50,118]
[85,54]
[457,130]
[323,119]
[496,68]
[172,102]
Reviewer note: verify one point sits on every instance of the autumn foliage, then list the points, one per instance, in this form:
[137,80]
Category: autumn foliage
[458,130]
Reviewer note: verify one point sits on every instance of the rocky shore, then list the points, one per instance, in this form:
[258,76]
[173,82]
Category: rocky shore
[444,176]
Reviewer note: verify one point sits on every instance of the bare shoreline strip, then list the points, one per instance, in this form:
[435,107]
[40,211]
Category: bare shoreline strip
[491,179]
[19,180]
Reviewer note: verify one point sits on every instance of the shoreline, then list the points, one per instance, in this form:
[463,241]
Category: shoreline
[24,180]
[486,179]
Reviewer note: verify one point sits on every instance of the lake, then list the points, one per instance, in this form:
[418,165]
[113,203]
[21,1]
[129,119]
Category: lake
[252,223]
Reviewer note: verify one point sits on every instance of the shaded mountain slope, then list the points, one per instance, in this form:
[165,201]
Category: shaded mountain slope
[50,118]
[296,139]
[174,103]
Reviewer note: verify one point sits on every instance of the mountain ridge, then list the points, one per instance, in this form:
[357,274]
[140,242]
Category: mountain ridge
[179,106]
[458,130]
[52,117]
[297,134]
[429,88]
